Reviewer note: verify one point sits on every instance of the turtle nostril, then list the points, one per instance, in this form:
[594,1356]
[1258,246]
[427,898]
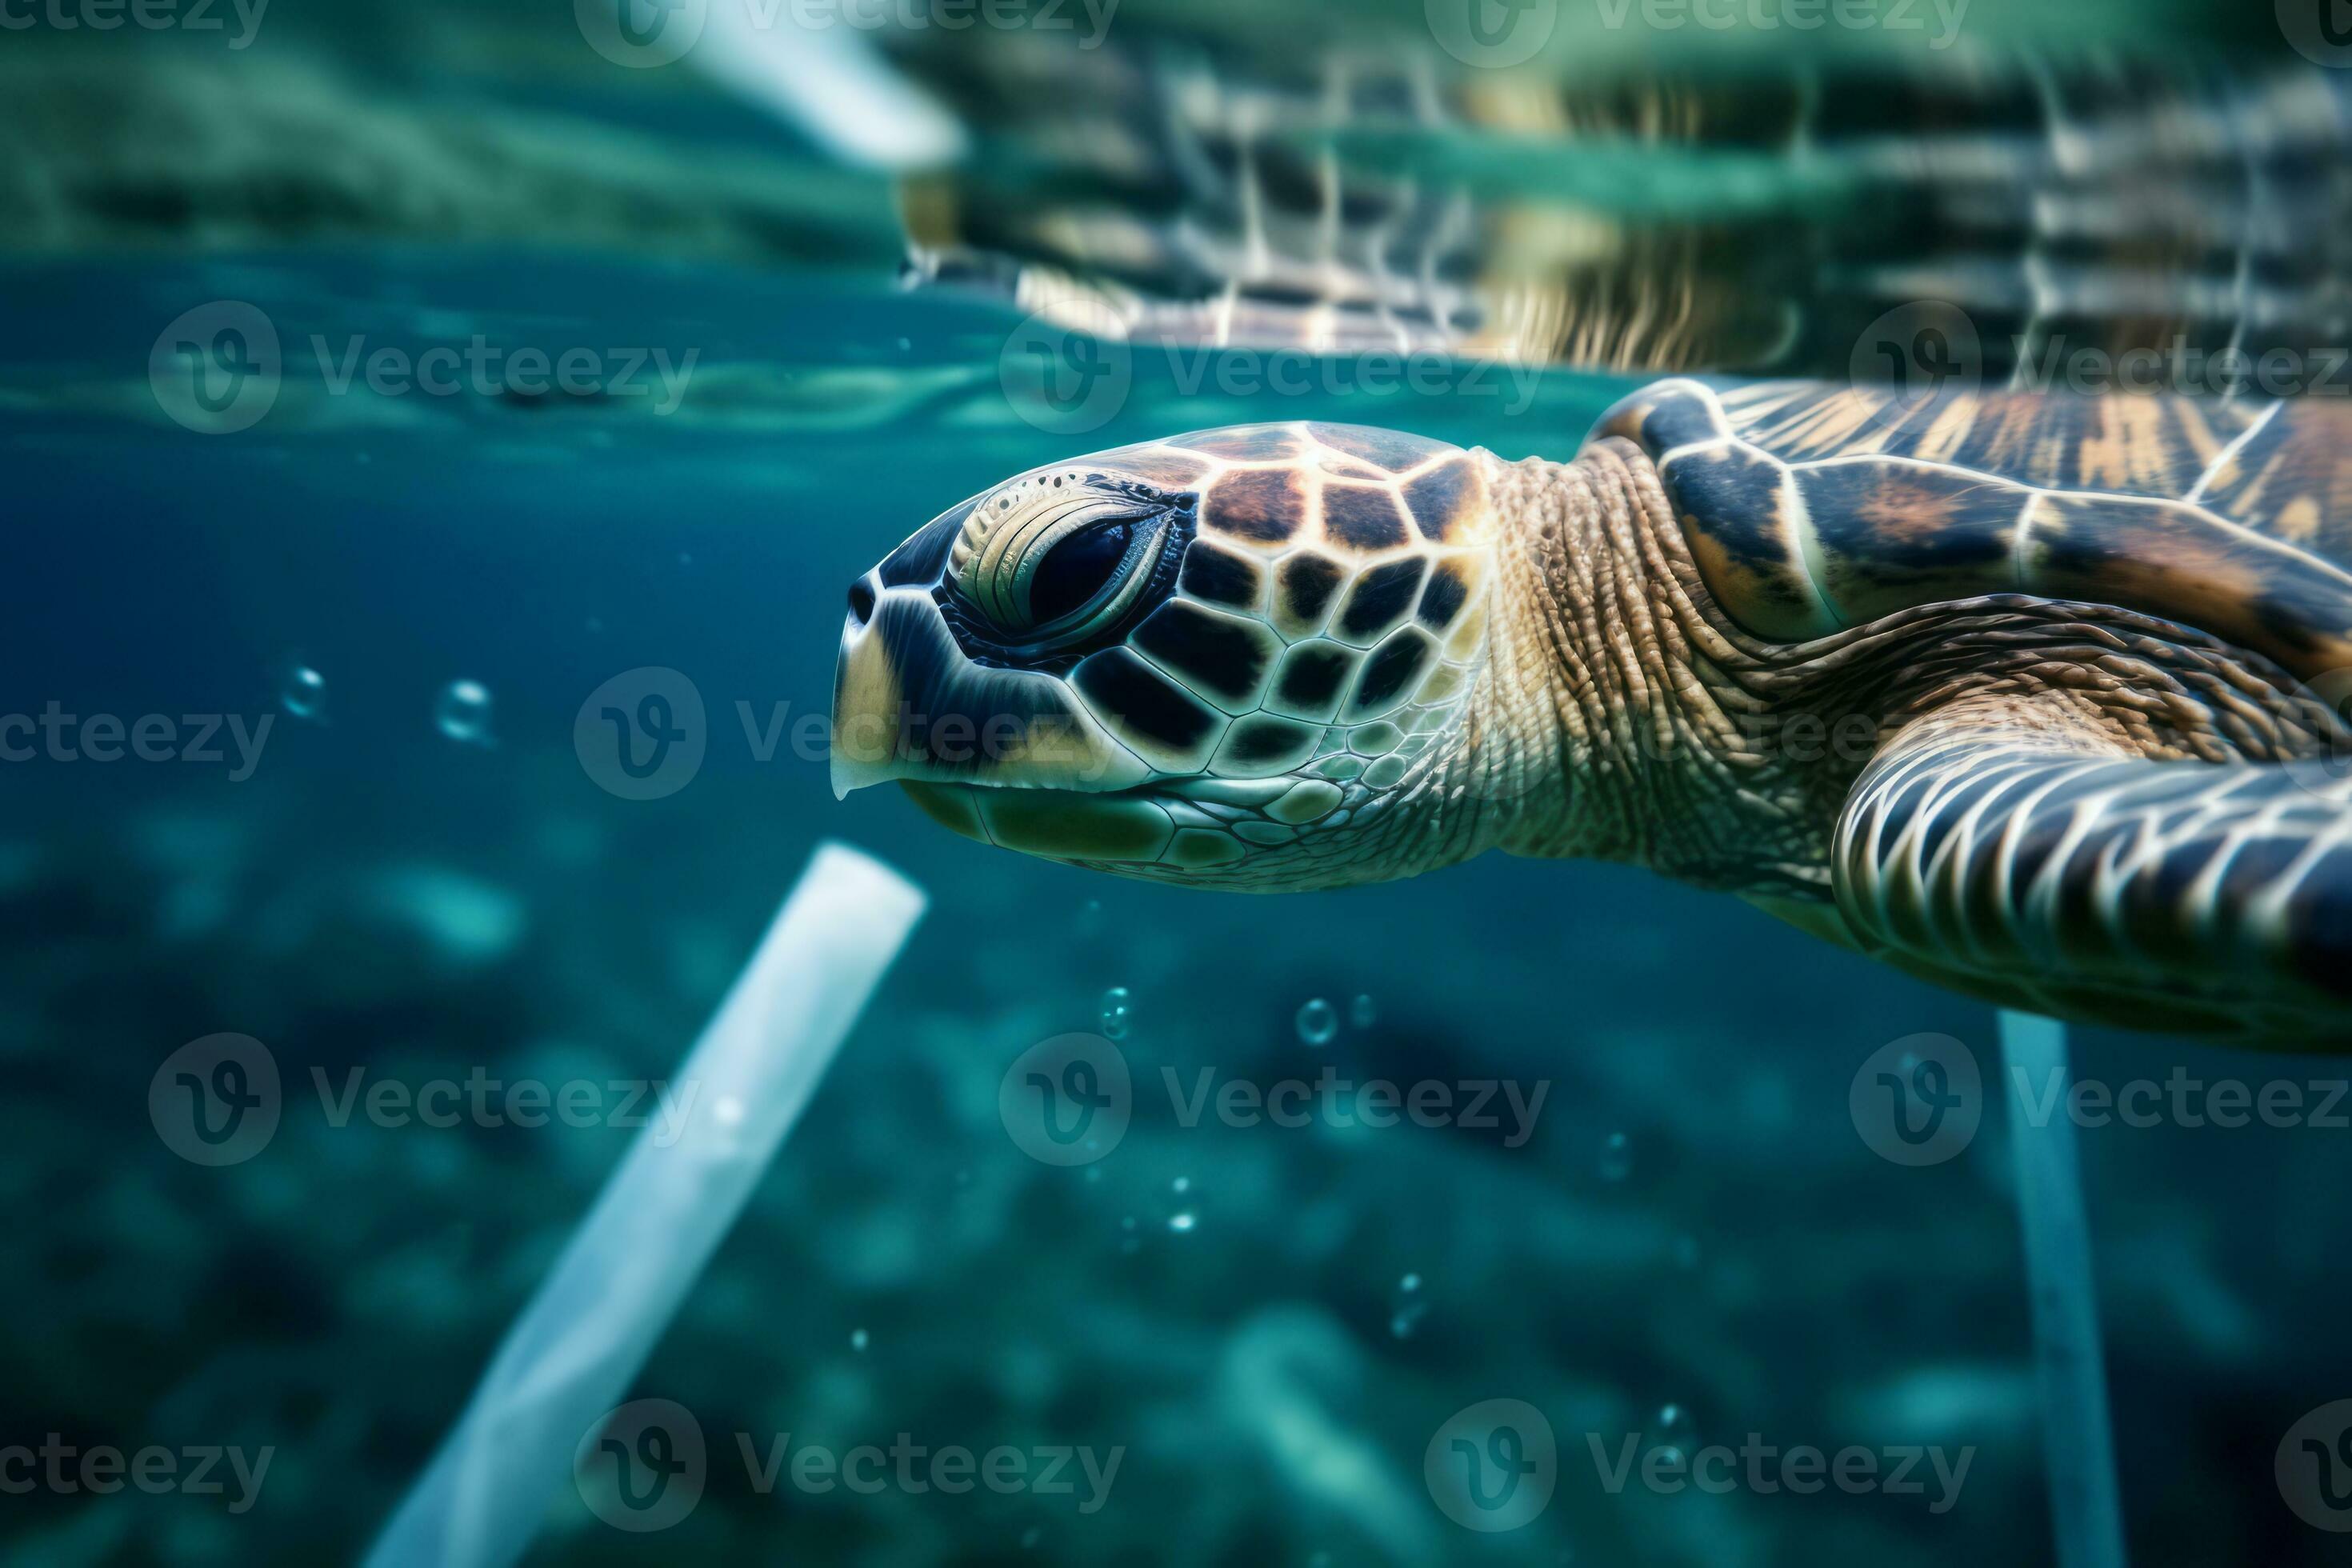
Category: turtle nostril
[861,603]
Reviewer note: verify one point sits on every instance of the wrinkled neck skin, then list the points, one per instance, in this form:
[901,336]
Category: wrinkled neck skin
[1624,715]
[1616,717]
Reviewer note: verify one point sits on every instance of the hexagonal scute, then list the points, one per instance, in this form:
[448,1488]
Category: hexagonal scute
[1262,746]
[1225,658]
[1222,577]
[1380,600]
[1161,723]
[1363,517]
[1446,500]
[1197,849]
[1449,585]
[1392,673]
[1313,677]
[1374,740]
[1305,583]
[1266,506]
[1469,635]
[1443,683]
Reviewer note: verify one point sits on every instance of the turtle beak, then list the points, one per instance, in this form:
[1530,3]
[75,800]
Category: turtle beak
[909,706]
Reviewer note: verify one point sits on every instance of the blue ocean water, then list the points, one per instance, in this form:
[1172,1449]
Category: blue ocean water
[1667,1231]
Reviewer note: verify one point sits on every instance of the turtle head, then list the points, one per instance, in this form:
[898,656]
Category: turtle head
[1231,657]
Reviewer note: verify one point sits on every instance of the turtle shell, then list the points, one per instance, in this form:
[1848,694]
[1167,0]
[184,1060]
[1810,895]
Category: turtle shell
[1811,507]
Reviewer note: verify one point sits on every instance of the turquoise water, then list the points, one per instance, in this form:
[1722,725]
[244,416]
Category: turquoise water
[1692,1220]
[1687,1242]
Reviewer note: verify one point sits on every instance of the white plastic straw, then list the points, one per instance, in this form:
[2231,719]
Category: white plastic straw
[573,1352]
[2085,1509]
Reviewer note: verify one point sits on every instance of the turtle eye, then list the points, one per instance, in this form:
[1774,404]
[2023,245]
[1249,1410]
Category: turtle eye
[1081,567]
[1055,558]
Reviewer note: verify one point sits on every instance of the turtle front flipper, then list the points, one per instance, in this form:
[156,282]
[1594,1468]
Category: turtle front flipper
[2016,856]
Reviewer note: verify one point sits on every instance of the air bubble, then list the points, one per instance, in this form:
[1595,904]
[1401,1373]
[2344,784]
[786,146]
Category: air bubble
[1364,1012]
[303,693]
[1616,1158]
[1318,1021]
[1118,1012]
[1675,1429]
[463,713]
[1410,1307]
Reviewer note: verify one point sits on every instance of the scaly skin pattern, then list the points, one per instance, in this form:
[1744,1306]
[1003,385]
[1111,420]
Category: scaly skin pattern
[1987,749]
[1648,726]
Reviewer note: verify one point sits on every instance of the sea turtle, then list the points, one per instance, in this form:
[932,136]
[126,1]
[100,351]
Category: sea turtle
[2030,694]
